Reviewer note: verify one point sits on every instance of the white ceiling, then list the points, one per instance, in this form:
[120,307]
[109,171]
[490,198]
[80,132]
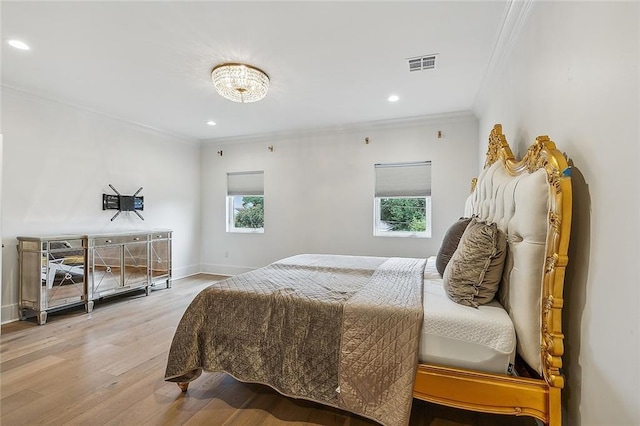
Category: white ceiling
[331,64]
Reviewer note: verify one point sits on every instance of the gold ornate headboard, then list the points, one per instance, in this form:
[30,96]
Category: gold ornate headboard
[530,200]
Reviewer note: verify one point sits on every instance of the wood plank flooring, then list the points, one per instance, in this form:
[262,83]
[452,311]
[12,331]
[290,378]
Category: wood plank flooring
[107,368]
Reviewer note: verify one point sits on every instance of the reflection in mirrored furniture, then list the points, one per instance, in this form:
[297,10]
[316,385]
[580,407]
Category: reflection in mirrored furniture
[118,263]
[63,271]
[52,274]
[160,257]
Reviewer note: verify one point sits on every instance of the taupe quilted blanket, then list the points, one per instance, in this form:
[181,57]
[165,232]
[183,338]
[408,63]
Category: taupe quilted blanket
[338,330]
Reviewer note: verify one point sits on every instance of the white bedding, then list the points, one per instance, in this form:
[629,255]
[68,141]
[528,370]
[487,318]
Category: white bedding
[460,336]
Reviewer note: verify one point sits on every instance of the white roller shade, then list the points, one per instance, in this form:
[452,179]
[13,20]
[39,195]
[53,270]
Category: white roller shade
[245,183]
[403,179]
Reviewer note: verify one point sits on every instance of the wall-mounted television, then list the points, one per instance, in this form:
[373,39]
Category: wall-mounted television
[123,203]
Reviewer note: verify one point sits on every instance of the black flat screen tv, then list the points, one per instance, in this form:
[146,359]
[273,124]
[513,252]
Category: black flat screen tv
[124,203]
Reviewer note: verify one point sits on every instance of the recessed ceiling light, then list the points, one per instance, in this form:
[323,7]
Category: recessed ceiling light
[393,98]
[18,44]
[211,123]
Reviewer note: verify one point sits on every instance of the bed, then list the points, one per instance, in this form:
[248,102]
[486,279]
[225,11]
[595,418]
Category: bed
[369,334]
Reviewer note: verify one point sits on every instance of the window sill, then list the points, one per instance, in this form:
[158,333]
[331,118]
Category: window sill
[245,231]
[403,235]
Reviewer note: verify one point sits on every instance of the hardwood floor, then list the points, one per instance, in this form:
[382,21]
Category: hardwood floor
[107,368]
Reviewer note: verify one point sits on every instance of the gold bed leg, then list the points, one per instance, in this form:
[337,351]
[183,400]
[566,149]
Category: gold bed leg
[183,386]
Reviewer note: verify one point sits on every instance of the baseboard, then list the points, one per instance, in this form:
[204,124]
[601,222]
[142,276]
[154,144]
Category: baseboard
[224,269]
[11,312]
[185,271]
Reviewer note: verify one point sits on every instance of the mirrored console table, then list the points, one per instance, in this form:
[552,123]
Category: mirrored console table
[57,272]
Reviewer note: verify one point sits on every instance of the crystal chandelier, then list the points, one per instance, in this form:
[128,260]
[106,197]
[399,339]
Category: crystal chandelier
[240,82]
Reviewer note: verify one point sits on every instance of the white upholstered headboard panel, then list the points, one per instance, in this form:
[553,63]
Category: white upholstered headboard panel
[519,206]
[530,200]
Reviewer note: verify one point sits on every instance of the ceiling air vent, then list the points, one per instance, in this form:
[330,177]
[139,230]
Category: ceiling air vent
[421,63]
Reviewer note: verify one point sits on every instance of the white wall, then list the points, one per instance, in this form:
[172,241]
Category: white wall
[319,190]
[59,160]
[573,74]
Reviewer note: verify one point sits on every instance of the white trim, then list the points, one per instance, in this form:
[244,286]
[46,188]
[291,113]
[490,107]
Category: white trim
[234,230]
[228,270]
[515,16]
[11,312]
[402,234]
[218,275]
[134,124]
[185,271]
[333,130]
[366,125]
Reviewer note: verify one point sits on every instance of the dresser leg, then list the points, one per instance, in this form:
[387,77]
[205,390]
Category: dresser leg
[42,317]
[89,306]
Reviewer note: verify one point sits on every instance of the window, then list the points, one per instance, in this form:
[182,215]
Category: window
[402,205]
[245,202]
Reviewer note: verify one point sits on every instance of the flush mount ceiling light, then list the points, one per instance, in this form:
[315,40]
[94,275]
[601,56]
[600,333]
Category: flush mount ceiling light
[240,82]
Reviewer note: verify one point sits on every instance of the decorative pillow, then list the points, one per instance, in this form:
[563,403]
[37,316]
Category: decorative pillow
[473,274]
[450,243]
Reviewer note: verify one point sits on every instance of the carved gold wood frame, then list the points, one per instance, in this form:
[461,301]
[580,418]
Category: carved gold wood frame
[503,394]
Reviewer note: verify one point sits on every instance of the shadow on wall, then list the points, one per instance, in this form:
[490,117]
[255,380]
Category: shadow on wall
[575,295]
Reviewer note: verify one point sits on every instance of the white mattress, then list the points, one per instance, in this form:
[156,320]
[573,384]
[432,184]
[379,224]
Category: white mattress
[460,336]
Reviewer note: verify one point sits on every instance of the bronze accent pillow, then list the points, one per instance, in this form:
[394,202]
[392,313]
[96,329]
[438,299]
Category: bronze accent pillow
[473,274]
[450,243]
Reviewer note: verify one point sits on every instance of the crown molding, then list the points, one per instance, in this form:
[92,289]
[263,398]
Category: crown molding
[515,16]
[347,128]
[131,124]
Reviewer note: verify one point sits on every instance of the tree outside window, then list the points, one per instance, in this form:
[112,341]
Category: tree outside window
[404,214]
[251,212]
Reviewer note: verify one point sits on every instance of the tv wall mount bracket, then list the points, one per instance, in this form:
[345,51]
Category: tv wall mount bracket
[123,203]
